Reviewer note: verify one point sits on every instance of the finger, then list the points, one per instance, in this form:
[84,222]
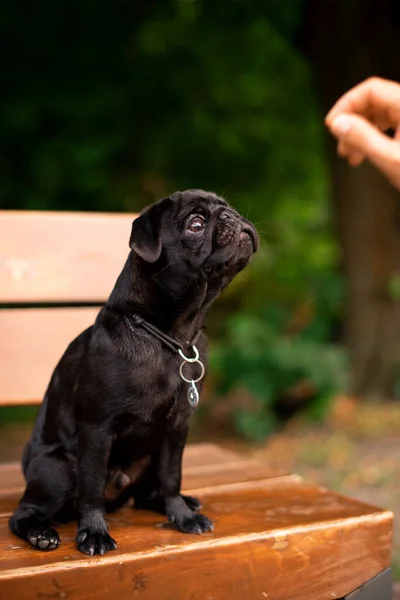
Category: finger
[355,100]
[374,96]
[359,134]
[343,149]
[354,156]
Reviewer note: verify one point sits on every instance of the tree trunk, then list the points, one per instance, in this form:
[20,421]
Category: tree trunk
[348,41]
[365,208]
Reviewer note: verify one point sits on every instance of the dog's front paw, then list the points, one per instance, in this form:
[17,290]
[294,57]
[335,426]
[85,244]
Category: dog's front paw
[194,524]
[94,543]
[44,539]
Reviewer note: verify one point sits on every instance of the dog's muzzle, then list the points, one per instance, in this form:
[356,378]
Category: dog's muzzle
[231,228]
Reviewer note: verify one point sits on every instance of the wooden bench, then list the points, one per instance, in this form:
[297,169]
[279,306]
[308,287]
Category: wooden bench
[275,536]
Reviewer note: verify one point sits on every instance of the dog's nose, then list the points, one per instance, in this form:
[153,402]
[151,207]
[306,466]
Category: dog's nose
[224,214]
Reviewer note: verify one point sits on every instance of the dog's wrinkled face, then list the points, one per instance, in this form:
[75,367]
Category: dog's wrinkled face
[194,235]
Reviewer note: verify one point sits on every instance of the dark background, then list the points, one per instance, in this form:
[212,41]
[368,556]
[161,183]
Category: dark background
[109,106]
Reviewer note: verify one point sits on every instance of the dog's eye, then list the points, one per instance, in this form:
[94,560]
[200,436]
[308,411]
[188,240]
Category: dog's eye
[196,224]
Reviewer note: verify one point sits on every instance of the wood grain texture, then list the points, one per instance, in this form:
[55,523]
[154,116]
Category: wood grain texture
[201,463]
[61,257]
[204,466]
[282,542]
[11,475]
[241,472]
[196,457]
[31,343]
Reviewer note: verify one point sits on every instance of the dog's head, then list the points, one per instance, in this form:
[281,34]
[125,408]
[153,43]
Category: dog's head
[193,236]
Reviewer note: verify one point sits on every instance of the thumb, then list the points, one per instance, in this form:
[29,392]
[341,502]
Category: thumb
[358,133]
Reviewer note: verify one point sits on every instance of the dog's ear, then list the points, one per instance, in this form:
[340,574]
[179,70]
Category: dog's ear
[145,236]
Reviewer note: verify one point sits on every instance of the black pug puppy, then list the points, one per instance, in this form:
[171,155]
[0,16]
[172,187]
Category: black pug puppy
[120,399]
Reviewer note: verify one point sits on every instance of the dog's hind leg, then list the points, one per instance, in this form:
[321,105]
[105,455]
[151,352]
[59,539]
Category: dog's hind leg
[50,485]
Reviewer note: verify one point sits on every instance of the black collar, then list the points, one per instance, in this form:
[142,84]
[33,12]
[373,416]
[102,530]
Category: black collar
[157,333]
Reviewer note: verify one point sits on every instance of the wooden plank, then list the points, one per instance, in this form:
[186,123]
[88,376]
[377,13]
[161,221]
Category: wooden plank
[11,476]
[281,542]
[242,475]
[9,497]
[31,343]
[59,256]
[199,455]
[204,466]
[197,458]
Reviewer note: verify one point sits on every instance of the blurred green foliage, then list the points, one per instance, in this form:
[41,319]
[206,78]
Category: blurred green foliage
[257,356]
[281,331]
[110,105]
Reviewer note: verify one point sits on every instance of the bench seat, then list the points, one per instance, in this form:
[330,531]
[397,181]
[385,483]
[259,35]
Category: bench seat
[275,537]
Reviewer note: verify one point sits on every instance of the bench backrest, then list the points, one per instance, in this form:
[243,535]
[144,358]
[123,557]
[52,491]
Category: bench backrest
[56,270]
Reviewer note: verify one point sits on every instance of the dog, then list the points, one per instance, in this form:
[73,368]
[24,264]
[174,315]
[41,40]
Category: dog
[119,402]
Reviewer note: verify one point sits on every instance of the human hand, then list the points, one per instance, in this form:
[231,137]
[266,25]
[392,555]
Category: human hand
[358,119]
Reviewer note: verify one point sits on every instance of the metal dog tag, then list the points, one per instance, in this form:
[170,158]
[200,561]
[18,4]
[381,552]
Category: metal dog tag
[193,395]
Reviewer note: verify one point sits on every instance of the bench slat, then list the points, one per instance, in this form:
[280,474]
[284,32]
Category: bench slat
[242,474]
[61,257]
[199,460]
[31,343]
[204,465]
[271,541]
